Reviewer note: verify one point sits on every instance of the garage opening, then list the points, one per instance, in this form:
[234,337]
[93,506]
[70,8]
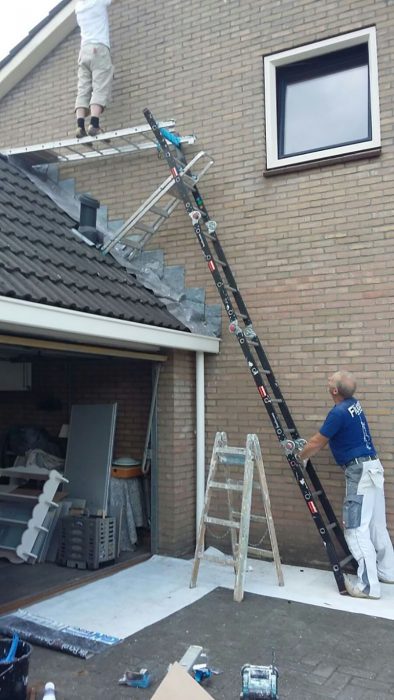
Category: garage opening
[78,463]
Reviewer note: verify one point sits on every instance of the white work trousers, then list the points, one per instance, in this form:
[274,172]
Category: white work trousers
[364,517]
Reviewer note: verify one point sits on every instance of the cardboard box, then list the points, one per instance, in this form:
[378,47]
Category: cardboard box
[178,685]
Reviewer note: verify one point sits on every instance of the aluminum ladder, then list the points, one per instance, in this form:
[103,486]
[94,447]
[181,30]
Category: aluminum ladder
[137,231]
[133,139]
[238,522]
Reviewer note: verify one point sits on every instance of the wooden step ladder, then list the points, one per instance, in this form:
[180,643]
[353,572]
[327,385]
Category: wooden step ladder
[238,522]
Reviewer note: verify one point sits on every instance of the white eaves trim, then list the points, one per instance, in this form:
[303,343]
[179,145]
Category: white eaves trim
[17,316]
[319,48]
[40,45]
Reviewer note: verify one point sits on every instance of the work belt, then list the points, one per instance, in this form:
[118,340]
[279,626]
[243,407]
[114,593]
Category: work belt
[360,460]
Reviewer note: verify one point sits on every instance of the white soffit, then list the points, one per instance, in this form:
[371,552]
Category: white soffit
[19,317]
[39,46]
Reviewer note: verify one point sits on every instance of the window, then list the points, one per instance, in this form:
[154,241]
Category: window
[322,100]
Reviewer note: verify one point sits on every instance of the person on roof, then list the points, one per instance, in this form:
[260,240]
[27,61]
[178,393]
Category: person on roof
[347,432]
[95,69]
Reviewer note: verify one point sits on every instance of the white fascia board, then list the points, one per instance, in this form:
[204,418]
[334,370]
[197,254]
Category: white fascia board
[17,316]
[39,46]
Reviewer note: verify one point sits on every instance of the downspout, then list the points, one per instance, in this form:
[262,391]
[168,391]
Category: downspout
[200,437]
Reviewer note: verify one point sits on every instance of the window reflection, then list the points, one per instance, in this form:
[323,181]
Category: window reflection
[329,110]
[324,101]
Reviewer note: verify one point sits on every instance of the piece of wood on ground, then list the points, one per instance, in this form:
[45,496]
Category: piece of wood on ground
[178,685]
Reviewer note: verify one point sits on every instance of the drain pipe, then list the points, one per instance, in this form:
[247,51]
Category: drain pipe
[200,437]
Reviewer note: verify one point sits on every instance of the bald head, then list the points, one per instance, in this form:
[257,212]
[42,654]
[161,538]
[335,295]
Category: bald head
[342,383]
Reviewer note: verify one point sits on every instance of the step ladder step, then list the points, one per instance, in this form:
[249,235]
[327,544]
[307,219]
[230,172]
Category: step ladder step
[231,455]
[235,460]
[225,486]
[261,553]
[220,521]
[255,518]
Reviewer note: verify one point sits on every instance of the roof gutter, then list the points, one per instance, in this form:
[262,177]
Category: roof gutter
[40,45]
[18,316]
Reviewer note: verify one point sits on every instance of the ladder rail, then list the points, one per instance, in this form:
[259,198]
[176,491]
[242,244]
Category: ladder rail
[295,465]
[268,371]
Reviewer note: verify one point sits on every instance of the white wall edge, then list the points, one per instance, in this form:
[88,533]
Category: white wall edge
[200,438]
[39,46]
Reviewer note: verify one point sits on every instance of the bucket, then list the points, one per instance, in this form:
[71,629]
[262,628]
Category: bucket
[14,674]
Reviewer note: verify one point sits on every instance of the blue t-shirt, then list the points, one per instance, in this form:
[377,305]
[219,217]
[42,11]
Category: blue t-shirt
[347,430]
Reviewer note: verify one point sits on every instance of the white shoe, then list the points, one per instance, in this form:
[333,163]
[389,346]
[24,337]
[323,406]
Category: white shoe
[356,592]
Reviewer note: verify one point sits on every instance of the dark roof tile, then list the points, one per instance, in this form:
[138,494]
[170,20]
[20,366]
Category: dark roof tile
[41,260]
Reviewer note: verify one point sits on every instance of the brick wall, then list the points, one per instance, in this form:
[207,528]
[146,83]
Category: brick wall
[72,381]
[176,455]
[311,251]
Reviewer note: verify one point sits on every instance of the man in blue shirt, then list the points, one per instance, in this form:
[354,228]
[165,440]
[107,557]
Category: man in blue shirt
[364,514]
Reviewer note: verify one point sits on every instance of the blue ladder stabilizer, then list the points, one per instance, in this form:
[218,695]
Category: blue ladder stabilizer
[12,650]
[171,137]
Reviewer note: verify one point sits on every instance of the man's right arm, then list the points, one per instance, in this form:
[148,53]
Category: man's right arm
[313,446]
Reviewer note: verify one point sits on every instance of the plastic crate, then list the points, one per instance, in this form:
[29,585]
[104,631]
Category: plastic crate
[86,542]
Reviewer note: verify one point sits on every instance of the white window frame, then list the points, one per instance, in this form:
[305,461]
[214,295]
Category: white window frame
[319,48]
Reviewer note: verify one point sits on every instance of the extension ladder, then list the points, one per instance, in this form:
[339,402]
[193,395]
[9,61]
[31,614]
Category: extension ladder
[250,457]
[257,361]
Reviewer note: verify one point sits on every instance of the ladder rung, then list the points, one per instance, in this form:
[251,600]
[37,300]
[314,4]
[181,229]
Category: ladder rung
[231,455]
[236,460]
[190,182]
[231,451]
[147,228]
[219,521]
[317,493]
[224,486]
[160,211]
[255,518]
[261,552]
[331,526]
[346,560]
[234,290]
[220,262]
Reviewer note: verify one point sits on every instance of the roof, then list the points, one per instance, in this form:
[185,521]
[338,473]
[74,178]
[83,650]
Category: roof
[42,261]
[33,32]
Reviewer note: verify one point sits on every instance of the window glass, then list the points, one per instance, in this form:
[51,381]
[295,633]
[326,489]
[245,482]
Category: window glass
[324,102]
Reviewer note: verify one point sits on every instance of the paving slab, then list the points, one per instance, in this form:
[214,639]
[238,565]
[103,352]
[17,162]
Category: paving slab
[320,653]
